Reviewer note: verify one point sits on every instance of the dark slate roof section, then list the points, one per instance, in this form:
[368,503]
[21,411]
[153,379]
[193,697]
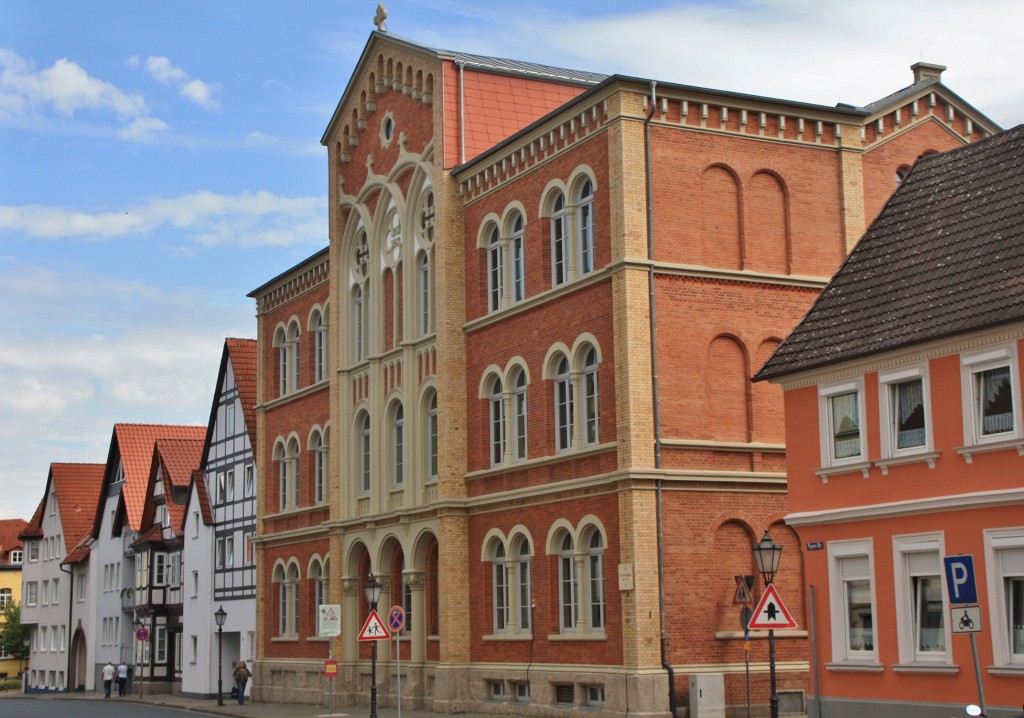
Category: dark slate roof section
[944,257]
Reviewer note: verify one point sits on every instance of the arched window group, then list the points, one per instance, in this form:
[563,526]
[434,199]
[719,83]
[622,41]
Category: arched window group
[511,589]
[302,481]
[291,594]
[576,408]
[288,344]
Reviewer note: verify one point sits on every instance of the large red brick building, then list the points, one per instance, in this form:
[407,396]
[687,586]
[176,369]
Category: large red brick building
[547,292]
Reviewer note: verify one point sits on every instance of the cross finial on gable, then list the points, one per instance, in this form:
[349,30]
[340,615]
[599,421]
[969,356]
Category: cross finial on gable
[380,17]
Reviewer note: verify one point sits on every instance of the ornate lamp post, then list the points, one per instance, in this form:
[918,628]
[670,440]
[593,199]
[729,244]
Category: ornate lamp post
[219,616]
[371,589]
[767,555]
[26,642]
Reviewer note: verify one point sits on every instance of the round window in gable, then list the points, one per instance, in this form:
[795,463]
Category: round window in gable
[387,129]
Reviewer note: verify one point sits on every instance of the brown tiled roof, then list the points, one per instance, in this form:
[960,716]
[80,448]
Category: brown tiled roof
[178,458]
[10,529]
[34,528]
[243,364]
[944,257]
[198,485]
[78,487]
[135,444]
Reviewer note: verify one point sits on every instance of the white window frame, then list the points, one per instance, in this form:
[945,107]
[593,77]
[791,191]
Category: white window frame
[826,395]
[319,345]
[425,293]
[219,557]
[520,426]
[517,259]
[496,421]
[594,591]
[316,448]
[564,405]
[888,402]
[591,412]
[499,588]
[229,480]
[584,229]
[560,240]
[918,555]
[495,269]
[398,446]
[363,458]
[973,365]
[999,567]
[160,644]
[568,585]
[842,651]
[250,480]
[523,592]
[431,438]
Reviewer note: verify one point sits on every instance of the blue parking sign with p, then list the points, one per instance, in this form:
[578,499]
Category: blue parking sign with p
[960,580]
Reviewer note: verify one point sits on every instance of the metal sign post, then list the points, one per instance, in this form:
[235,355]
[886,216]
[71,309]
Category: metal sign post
[966,618]
[329,626]
[396,621]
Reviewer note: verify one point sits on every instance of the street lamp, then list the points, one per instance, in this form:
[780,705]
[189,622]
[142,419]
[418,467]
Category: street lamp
[219,616]
[767,555]
[371,589]
[26,642]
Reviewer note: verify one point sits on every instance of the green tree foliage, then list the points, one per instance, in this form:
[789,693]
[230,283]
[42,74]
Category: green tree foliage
[12,632]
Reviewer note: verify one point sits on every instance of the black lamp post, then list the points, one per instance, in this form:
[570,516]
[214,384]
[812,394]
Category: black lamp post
[371,589]
[767,555]
[219,616]
[26,642]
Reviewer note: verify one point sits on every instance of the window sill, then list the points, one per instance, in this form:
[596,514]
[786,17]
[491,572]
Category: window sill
[509,637]
[318,639]
[925,667]
[928,457]
[855,666]
[968,451]
[577,637]
[1007,669]
[757,635]
[284,639]
[826,471]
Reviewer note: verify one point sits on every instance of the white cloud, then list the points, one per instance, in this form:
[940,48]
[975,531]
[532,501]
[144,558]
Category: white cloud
[64,88]
[196,91]
[142,129]
[246,219]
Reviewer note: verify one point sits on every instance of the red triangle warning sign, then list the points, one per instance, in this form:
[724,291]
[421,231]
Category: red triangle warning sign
[373,629]
[771,612]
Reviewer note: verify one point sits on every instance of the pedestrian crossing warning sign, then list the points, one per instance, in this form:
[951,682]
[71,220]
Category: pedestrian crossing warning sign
[770,612]
[373,629]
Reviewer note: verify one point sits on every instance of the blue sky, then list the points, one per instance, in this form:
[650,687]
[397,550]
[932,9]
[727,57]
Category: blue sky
[158,161]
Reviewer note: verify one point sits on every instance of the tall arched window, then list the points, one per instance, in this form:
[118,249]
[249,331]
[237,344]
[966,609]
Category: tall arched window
[519,445]
[497,417]
[591,416]
[568,585]
[499,572]
[292,582]
[425,293]
[495,270]
[358,325]
[595,581]
[293,352]
[398,447]
[364,453]
[281,342]
[563,406]
[523,588]
[319,345]
[431,436]
[293,472]
[559,241]
[585,228]
[318,582]
[316,448]
[517,250]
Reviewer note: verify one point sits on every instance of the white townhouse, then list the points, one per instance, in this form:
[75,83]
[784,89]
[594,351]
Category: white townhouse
[116,523]
[55,580]
[218,532]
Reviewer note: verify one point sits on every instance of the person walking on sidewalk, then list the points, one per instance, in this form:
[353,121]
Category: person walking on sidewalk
[241,676]
[108,678]
[122,679]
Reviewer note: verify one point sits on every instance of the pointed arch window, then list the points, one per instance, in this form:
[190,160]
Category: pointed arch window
[431,436]
[358,325]
[425,281]
[563,406]
[398,447]
[364,454]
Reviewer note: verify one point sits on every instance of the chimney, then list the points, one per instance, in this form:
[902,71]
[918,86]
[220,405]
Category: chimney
[927,71]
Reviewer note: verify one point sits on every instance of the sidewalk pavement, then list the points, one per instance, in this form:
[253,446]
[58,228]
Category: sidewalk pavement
[231,708]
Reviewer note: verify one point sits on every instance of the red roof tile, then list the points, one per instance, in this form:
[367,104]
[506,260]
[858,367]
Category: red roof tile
[78,487]
[135,444]
[243,363]
[34,529]
[10,529]
[178,459]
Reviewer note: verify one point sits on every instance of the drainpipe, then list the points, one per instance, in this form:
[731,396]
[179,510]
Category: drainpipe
[71,606]
[654,399]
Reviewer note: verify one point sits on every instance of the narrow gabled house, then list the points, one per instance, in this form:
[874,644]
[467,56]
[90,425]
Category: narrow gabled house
[219,529]
[905,437]
[158,565]
[57,593]
[116,520]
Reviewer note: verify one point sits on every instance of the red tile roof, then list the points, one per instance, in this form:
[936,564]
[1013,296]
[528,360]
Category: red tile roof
[178,459]
[34,529]
[198,486]
[78,488]
[135,444]
[243,363]
[9,541]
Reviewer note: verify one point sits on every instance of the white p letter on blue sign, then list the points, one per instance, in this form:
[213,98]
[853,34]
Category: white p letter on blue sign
[960,580]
